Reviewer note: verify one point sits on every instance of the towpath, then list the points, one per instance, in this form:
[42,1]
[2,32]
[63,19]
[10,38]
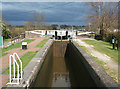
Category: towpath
[109,62]
[5,59]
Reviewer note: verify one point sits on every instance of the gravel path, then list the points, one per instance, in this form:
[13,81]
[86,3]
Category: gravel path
[102,57]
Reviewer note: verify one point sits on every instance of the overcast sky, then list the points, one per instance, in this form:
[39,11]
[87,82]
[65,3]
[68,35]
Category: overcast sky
[74,13]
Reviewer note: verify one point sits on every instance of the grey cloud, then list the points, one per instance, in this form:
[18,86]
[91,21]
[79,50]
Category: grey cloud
[54,12]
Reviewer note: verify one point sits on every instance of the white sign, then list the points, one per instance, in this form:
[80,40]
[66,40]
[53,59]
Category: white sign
[24,43]
[112,40]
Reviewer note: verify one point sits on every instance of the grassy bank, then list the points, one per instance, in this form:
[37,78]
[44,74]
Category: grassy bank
[26,58]
[42,43]
[104,47]
[6,40]
[102,64]
[3,54]
[107,69]
[17,45]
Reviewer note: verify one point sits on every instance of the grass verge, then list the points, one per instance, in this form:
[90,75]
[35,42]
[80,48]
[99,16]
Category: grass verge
[26,58]
[3,54]
[6,40]
[17,45]
[103,65]
[104,47]
[42,43]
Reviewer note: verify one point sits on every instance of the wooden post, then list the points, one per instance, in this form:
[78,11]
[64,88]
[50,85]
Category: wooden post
[114,42]
[119,44]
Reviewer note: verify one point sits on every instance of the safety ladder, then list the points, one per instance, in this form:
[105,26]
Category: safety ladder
[15,79]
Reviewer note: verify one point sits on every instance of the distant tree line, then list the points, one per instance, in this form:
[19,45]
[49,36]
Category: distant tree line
[70,27]
[37,22]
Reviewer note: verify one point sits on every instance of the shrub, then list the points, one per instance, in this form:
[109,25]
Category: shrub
[109,38]
[5,32]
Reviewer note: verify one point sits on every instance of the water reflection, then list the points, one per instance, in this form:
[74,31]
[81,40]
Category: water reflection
[60,74]
[61,80]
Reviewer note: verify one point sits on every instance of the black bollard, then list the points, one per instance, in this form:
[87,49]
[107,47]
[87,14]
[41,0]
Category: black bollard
[66,34]
[45,32]
[113,42]
[76,33]
[55,34]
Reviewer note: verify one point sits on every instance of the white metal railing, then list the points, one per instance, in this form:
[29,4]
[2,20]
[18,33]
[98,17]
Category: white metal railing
[52,32]
[19,72]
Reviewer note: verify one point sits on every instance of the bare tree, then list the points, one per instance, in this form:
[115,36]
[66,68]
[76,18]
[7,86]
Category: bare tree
[27,26]
[38,20]
[104,16]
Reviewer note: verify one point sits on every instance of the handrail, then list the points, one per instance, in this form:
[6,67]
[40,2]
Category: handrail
[19,72]
[11,56]
[20,63]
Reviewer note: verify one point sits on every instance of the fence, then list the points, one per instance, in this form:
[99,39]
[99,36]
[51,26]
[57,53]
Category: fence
[15,40]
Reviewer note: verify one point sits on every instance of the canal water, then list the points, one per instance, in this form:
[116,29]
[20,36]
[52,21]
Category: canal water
[62,68]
